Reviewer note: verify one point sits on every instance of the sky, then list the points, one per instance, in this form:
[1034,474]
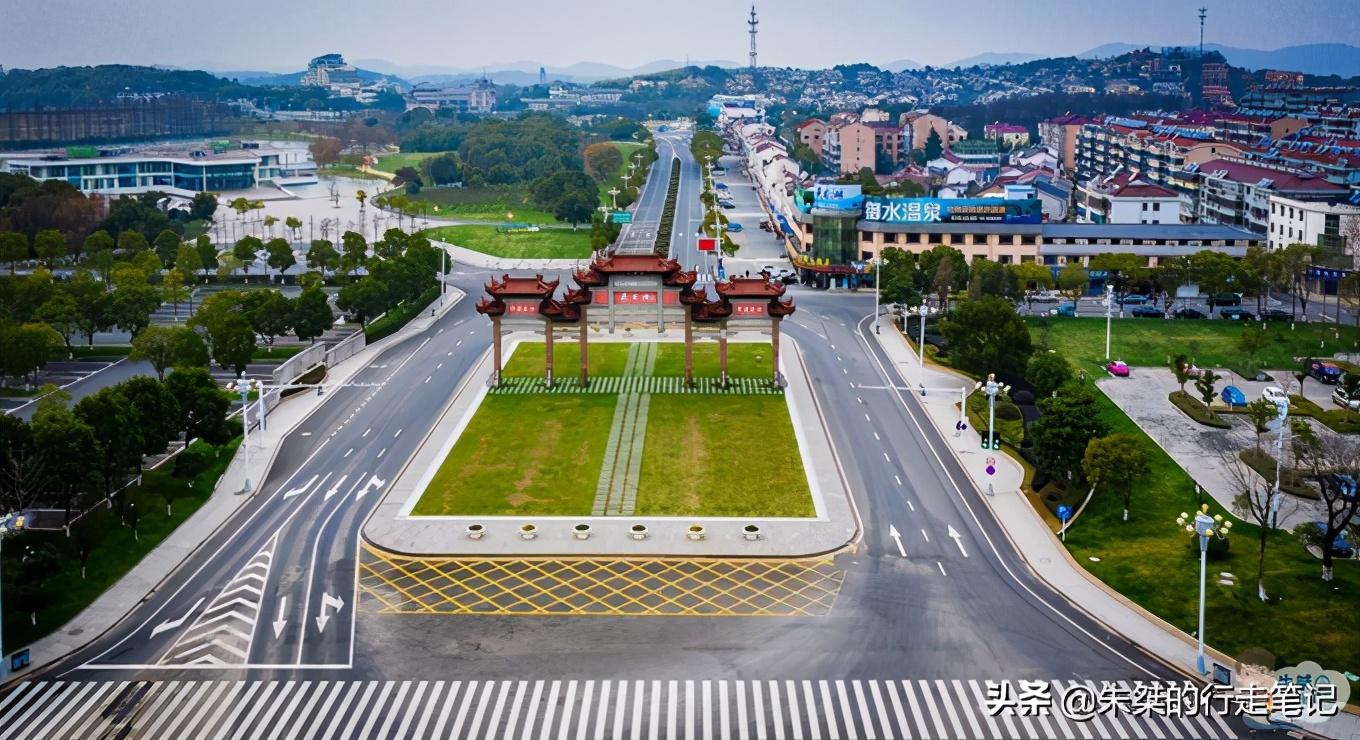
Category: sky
[280,36]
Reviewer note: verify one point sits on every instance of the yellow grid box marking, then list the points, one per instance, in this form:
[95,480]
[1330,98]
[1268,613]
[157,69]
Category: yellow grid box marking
[396,584]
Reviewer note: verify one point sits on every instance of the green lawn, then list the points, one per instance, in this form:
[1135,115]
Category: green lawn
[114,554]
[605,358]
[1207,342]
[491,203]
[1148,559]
[744,359]
[524,453]
[730,456]
[545,244]
[394,162]
[626,149]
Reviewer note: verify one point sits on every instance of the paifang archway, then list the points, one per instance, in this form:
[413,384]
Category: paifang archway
[633,288]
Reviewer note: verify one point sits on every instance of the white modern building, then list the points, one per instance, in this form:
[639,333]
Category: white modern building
[1319,223]
[478,96]
[177,170]
[1126,197]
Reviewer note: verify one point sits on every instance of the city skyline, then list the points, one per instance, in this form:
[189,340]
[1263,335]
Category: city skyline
[133,32]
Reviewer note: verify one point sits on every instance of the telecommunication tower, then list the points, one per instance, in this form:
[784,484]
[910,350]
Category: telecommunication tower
[753,23]
[1203,11]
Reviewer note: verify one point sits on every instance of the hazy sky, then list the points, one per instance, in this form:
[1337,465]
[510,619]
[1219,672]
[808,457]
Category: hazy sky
[280,35]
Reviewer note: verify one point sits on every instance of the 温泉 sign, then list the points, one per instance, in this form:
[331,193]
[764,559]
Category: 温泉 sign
[963,210]
[621,217]
[832,195]
[708,244]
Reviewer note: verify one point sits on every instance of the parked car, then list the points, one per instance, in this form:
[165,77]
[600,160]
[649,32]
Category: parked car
[728,204]
[1226,299]
[1133,299]
[764,225]
[733,226]
[1324,371]
[720,185]
[1147,312]
[1066,308]
[1344,400]
[1237,314]
[1341,547]
[1233,396]
[1274,394]
[1046,296]
[1186,312]
[1276,314]
[1118,369]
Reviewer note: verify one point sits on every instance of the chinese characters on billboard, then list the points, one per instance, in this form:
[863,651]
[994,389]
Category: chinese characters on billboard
[965,210]
[832,195]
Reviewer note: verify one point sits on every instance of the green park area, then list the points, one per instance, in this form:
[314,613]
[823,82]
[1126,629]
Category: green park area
[626,150]
[555,243]
[532,452]
[1206,342]
[1147,557]
[396,160]
[499,203]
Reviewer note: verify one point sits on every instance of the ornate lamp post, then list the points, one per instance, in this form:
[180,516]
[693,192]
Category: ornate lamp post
[245,387]
[992,388]
[921,311]
[1203,527]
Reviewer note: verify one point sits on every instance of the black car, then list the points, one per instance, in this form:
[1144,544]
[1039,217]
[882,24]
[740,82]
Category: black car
[1276,314]
[1147,312]
[1226,299]
[1185,312]
[1237,314]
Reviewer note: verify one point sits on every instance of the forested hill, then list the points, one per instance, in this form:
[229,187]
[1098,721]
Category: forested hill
[67,86]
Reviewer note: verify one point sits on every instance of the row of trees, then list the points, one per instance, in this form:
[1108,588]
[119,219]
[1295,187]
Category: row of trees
[400,269]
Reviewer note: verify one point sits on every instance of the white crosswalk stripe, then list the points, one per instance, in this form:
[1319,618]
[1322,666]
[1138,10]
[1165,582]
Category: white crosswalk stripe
[860,709]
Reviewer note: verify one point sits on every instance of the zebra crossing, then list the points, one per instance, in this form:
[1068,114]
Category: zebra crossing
[554,710]
[222,634]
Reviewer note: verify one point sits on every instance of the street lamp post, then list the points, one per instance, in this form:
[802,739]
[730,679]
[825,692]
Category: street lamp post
[992,388]
[1282,414]
[921,311]
[614,197]
[1109,307]
[245,387]
[1202,526]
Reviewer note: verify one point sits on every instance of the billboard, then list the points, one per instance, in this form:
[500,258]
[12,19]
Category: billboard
[961,210]
[708,244]
[832,195]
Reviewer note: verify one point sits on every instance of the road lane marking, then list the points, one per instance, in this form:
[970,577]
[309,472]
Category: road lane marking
[861,400]
[170,624]
[347,454]
[439,366]
[866,418]
[897,537]
[941,566]
[380,454]
[366,431]
[885,457]
[398,434]
[958,539]
[923,534]
[876,437]
[898,479]
[911,506]
[428,379]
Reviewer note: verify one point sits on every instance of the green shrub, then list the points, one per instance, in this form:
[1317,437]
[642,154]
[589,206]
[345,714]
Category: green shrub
[1195,409]
[397,316]
[1290,480]
[1008,412]
[193,461]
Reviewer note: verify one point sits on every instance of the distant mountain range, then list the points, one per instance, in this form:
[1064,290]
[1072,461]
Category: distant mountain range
[525,72]
[1317,59]
[993,58]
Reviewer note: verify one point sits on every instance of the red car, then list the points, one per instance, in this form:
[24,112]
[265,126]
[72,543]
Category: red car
[1118,369]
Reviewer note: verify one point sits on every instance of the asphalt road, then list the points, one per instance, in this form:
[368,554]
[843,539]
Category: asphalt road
[273,594]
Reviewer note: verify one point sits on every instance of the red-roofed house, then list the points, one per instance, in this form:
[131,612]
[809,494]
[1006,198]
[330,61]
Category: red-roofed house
[811,133]
[1127,197]
[1010,135]
[1236,192]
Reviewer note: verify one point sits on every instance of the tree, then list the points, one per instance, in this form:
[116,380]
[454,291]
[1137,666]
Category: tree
[49,245]
[1322,459]
[131,306]
[944,269]
[1117,463]
[227,264]
[993,279]
[1260,413]
[443,170]
[406,175]
[24,348]
[98,241]
[1257,500]
[269,312]
[1251,342]
[1216,272]
[118,442]
[325,150]
[207,252]
[363,299]
[167,246]
[1205,385]
[187,261]
[13,248]
[203,206]
[934,147]
[169,346]
[362,197]
[1123,270]
[312,315]
[1295,263]
[1047,372]
[895,277]
[1073,280]
[155,412]
[1180,367]
[986,335]
[246,250]
[87,533]
[60,313]
[93,305]
[322,256]
[131,242]
[603,161]
[354,250]
[66,443]
[269,222]
[31,588]
[1070,420]
[233,343]
[202,405]
[280,255]
[173,290]
[1032,278]
[570,195]
[294,226]
[393,243]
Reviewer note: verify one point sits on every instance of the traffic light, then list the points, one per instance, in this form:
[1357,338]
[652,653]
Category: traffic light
[991,440]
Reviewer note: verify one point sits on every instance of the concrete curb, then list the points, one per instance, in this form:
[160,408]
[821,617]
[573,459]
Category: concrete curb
[82,379]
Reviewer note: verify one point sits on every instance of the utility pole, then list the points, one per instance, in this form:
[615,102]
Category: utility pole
[1203,12]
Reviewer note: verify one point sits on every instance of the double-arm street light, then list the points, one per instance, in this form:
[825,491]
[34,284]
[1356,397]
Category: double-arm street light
[1203,527]
[244,387]
[614,197]
[1109,307]
[992,388]
[921,311]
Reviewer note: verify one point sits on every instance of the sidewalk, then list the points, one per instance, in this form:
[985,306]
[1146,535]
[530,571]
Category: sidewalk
[1038,545]
[465,256]
[227,498]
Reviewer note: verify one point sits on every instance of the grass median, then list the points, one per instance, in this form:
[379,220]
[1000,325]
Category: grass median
[556,243]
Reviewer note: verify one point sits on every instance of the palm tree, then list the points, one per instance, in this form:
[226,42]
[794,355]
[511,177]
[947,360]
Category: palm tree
[293,224]
[269,222]
[361,196]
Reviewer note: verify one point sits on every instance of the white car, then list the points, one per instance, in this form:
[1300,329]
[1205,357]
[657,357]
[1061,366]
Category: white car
[1274,394]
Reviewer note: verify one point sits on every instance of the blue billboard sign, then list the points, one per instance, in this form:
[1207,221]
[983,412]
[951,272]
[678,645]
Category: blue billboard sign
[961,210]
[833,195]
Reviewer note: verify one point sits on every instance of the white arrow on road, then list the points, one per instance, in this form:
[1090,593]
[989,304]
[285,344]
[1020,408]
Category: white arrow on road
[374,482]
[170,624]
[958,540]
[896,535]
[300,489]
[280,622]
[336,488]
[323,617]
